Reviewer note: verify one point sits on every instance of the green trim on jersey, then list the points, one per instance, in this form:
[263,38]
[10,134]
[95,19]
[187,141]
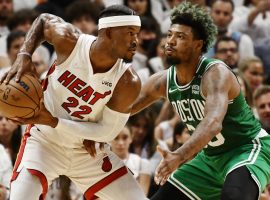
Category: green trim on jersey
[239,124]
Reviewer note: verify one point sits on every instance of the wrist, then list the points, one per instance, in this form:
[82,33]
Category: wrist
[25,54]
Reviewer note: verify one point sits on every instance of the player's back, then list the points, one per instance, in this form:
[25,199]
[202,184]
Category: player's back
[72,91]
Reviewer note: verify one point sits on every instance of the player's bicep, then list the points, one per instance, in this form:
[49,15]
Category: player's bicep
[152,90]
[125,92]
[60,34]
[216,85]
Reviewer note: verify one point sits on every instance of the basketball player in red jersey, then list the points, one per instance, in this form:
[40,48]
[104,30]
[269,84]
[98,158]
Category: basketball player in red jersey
[88,94]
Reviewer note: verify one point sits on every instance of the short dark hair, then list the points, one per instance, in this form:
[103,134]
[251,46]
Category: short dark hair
[226,39]
[20,17]
[226,1]
[13,36]
[116,10]
[82,8]
[262,90]
[199,20]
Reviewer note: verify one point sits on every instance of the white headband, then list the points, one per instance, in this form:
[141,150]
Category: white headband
[123,20]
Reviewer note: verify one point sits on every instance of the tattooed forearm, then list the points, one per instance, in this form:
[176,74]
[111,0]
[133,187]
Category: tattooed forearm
[35,35]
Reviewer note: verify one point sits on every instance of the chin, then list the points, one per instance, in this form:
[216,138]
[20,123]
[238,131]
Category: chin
[127,60]
[173,61]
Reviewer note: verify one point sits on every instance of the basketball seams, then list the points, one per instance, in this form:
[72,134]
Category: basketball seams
[32,109]
[24,94]
[39,97]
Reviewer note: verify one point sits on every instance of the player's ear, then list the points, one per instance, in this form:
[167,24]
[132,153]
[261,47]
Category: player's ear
[199,44]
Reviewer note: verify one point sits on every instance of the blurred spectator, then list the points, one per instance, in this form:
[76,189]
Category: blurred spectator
[40,61]
[6,10]
[168,5]
[245,88]
[159,62]
[14,42]
[55,7]
[222,14]
[141,7]
[22,4]
[142,132]
[19,21]
[146,41]
[5,173]
[180,136]
[22,20]
[252,71]
[139,166]
[226,49]
[262,49]
[164,130]
[10,137]
[253,18]
[262,105]
[84,15]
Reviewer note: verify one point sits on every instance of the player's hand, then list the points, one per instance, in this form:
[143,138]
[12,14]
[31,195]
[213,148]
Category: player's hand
[90,147]
[169,163]
[23,64]
[43,117]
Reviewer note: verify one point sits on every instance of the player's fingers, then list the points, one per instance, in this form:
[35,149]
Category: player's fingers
[18,75]
[162,152]
[165,178]
[157,179]
[3,77]
[9,76]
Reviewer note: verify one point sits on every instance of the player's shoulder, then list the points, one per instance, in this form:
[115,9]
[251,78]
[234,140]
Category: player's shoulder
[130,78]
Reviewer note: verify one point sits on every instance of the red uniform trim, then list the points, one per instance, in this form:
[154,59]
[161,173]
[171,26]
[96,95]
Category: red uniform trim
[90,193]
[43,181]
[40,175]
[20,153]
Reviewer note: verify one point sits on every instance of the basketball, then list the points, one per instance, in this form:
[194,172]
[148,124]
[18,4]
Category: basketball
[20,99]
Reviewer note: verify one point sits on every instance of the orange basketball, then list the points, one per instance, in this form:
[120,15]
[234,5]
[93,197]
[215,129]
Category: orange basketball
[20,99]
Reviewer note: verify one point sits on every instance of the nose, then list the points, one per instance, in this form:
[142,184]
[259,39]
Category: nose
[171,41]
[267,108]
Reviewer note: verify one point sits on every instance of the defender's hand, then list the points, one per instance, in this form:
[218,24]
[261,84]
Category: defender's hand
[90,147]
[169,163]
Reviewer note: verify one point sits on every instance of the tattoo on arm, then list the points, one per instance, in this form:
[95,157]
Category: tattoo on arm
[35,35]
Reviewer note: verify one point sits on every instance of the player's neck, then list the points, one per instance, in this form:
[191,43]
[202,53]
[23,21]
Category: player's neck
[101,58]
[186,70]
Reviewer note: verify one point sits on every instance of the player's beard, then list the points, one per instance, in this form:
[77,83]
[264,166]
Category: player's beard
[173,61]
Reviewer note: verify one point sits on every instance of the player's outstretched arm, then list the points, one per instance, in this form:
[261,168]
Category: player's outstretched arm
[152,90]
[218,85]
[46,27]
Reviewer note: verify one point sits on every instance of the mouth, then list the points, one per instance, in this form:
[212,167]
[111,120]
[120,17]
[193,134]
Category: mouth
[169,50]
[133,51]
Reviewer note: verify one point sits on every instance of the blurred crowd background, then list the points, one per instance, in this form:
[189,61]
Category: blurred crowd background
[243,43]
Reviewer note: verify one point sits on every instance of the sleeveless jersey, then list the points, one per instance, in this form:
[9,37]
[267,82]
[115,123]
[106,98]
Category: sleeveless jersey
[239,124]
[72,91]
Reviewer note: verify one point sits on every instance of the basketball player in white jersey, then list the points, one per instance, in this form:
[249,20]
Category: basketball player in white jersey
[88,94]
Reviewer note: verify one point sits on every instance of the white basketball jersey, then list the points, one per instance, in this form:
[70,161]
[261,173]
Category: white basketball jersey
[72,91]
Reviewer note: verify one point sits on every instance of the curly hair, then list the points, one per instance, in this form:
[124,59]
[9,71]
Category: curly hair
[199,20]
